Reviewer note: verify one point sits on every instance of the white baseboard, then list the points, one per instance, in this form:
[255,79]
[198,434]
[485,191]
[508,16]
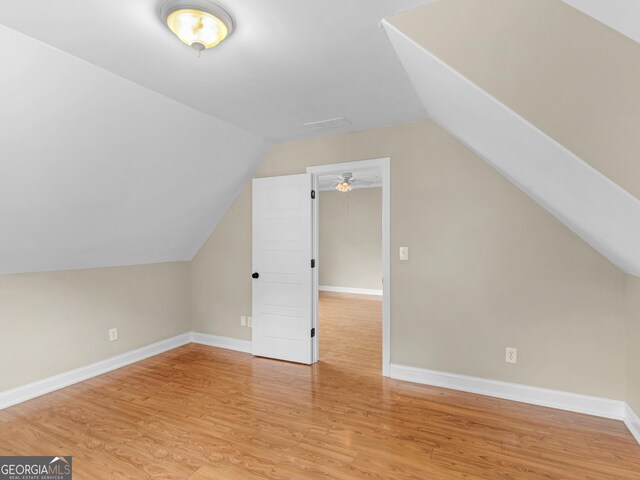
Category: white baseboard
[359,291]
[632,421]
[573,402]
[41,387]
[222,342]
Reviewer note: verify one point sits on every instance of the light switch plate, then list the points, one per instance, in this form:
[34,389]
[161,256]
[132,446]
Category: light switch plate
[404,253]
[113,334]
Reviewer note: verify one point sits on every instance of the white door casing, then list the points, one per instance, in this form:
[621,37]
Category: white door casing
[384,168]
[282,253]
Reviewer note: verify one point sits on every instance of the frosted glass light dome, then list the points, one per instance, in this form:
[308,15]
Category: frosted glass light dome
[199,24]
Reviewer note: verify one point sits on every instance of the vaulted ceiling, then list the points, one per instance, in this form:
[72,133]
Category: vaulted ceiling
[546,95]
[98,171]
[570,75]
[119,145]
[287,62]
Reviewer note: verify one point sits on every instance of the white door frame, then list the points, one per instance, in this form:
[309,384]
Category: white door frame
[384,166]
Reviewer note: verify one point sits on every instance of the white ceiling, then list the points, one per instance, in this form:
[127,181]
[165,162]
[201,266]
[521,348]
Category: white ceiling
[287,62]
[621,15]
[98,171]
[119,146]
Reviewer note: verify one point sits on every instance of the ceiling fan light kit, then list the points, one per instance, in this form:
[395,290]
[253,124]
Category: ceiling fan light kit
[198,23]
[345,184]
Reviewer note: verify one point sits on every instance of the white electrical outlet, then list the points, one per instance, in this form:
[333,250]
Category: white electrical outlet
[511,355]
[243,320]
[113,334]
[249,321]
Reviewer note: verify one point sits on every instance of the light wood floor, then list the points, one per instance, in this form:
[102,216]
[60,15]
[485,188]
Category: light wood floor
[204,413]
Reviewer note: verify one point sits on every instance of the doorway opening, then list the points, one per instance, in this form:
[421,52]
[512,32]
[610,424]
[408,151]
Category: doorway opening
[351,245]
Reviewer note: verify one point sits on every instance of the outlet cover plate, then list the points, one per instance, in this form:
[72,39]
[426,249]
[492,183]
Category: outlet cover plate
[511,355]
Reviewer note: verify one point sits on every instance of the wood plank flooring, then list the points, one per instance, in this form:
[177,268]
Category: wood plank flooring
[203,413]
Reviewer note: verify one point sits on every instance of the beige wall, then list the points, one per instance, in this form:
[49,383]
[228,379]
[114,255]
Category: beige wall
[351,238]
[568,74]
[633,343]
[488,268]
[57,321]
[221,274]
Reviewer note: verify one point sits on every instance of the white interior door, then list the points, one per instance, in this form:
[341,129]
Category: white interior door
[282,271]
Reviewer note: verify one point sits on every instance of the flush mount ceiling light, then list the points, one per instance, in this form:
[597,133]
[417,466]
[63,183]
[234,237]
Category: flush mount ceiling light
[344,184]
[198,23]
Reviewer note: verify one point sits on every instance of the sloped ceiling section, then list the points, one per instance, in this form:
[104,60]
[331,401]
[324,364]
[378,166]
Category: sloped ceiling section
[594,207]
[621,15]
[287,62]
[98,171]
[571,76]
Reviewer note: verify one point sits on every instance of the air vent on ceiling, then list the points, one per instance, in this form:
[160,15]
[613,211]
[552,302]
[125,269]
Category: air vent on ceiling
[326,124]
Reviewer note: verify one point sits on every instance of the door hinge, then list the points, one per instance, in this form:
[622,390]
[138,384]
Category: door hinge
[313,263]
[313,194]
[313,332]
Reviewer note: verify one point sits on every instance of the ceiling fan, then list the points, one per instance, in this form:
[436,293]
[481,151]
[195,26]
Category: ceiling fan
[346,181]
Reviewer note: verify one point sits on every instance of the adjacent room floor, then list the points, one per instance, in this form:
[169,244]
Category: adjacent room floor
[199,412]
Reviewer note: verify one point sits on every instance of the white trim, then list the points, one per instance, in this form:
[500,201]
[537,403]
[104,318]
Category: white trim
[359,291]
[41,387]
[315,278]
[573,402]
[593,206]
[384,166]
[227,343]
[632,421]
[56,382]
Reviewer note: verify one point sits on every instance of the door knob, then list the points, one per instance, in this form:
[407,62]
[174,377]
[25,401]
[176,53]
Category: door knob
[255,275]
